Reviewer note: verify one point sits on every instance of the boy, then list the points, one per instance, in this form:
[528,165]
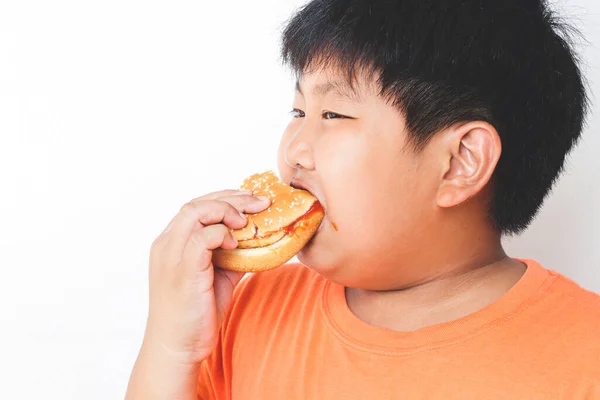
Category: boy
[427,129]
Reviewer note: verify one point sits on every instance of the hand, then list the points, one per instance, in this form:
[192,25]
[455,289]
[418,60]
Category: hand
[188,295]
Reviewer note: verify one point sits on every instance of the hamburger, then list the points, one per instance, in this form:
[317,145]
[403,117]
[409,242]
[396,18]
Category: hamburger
[273,236]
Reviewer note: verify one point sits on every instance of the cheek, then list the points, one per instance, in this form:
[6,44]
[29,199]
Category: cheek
[374,197]
[371,225]
[345,176]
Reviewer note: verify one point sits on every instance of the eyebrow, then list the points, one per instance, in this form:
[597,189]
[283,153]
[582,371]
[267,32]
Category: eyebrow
[340,88]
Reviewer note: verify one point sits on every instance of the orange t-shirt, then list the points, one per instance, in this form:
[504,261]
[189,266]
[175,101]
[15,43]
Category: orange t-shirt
[290,335]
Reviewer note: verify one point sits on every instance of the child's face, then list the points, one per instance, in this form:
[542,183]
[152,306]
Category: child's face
[379,196]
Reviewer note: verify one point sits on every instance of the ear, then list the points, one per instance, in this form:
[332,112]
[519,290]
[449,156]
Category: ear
[473,150]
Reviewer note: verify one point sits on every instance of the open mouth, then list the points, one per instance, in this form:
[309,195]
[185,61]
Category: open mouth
[302,186]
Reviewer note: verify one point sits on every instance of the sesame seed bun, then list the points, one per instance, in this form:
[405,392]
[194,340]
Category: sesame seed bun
[273,236]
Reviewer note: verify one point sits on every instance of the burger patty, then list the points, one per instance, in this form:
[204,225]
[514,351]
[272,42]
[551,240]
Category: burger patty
[261,241]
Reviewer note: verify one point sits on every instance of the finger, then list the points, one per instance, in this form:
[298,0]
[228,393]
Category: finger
[233,277]
[195,215]
[229,210]
[223,193]
[210,196]
[246,203]
[197,253]
[224,284]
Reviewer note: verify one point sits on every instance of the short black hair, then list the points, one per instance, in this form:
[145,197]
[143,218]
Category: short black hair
[510,63]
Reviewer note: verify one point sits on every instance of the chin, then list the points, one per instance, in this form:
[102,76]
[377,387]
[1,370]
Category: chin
[338,266]
[320,258]
[322,255]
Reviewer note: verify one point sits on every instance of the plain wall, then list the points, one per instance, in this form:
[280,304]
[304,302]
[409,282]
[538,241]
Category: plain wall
[115,113]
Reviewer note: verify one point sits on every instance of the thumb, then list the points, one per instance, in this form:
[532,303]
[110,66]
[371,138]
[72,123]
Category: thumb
[224,283]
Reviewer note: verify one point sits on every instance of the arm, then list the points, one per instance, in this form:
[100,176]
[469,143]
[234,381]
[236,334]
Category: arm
[158,375]
[188,295]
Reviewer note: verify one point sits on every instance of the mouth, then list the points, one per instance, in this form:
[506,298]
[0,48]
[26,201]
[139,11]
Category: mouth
[297,184]
[302,185]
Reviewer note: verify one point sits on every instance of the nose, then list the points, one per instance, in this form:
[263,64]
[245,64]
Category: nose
[298,153]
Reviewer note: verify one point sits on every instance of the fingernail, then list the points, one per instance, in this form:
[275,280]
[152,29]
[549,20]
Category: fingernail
[242,215]
[263,198]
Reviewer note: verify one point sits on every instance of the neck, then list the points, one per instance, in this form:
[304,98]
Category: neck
[444,298]
[463,270]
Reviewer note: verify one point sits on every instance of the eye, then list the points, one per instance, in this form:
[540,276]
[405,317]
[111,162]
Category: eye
[332,115]
[297,113]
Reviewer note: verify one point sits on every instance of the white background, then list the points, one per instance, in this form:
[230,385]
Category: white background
[115,113]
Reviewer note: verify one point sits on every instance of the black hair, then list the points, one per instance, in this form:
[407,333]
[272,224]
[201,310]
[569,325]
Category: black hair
[510,63]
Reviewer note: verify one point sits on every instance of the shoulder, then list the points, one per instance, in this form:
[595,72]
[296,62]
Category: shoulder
[572,313]
[561,300]
[576,304]
[575,300]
